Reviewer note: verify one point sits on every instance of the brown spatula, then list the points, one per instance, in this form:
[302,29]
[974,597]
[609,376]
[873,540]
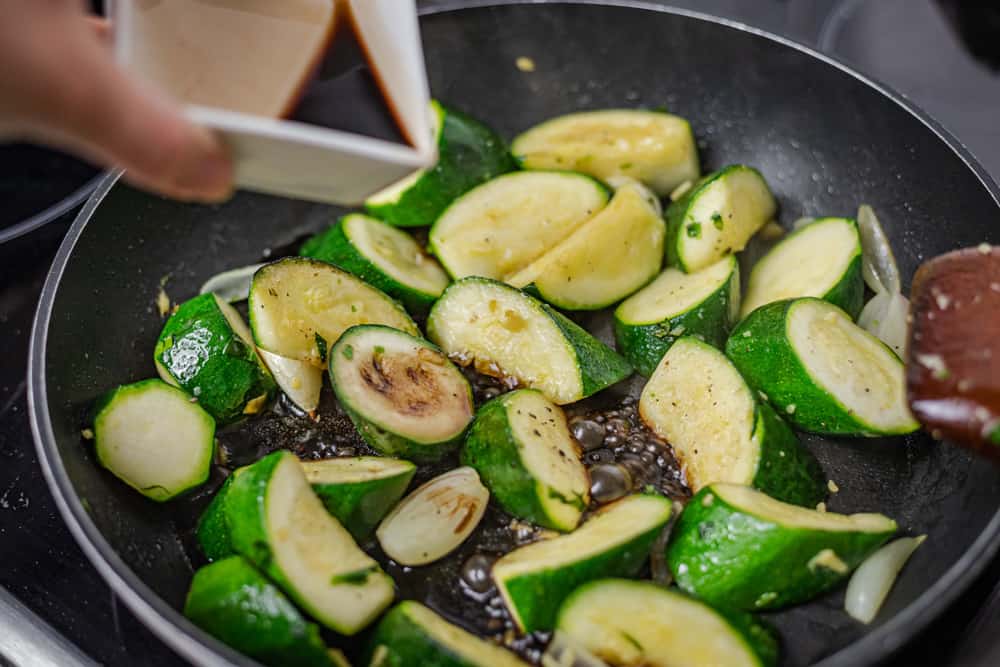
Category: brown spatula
[953,374]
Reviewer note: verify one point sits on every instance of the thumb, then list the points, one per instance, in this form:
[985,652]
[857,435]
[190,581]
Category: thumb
[102,112]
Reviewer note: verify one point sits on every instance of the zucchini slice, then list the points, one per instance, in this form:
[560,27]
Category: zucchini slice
[383,256]
[207,350]
[522,448]
[277,523]
[212,531]
[300,380]
[655,148]
[717,217]
[299,307]
[497,325]
[702,304]
[403,395]
[359,490]
[639,623]
[155,438]
[699,403]
[469,153]
[411,634]
[534,579]
[825,373]
[736,547]
[610,256]
[237,605]
[821,259]
[505,224]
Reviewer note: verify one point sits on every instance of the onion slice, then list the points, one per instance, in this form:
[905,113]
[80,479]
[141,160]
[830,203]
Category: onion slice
[886,316]
[232,285]
[872,581]
[434,519]
[878,264]
[564,651]
[301,381]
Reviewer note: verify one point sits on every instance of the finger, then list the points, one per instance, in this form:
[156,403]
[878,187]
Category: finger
[101,27]
[101,111]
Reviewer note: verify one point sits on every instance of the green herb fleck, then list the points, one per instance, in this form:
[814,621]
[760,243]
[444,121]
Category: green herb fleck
[694,230]
[633,641]
[354,308]
[717,220]
[379,349]
[354,577]
[348,352]
[625,165]
[320,346]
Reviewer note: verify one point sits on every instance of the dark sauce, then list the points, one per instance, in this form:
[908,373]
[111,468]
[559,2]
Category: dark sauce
[440,585]
[344,94]
[615,435]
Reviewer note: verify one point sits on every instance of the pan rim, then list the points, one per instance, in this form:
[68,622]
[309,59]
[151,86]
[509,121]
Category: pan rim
[196,645]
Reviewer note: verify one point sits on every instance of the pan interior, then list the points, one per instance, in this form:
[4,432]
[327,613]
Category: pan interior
[825,141]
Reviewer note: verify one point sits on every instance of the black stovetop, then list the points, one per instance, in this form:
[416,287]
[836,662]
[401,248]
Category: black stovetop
[42,565]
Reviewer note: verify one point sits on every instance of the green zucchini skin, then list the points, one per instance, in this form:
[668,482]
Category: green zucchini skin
[597,365]
[117,457]
[469,153]
[677,214]
[539,594]
[600,367]
[202,353]
[236,604]
[644,345]
[212,531]
[732,558]
[400,640]
[848,293]
[359,506]
[492,448]
[760,348]
[599,597]
[787,471]
[334,246]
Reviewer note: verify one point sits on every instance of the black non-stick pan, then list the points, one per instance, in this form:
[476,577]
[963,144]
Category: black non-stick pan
[825,138]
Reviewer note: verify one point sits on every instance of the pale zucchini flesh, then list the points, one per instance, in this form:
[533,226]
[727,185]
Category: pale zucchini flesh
[396,253]
[503,225]
[523,338]
[534,580]
[639,623]
[154,438]
[698,402]
[521,446]
[298,307]
[610,256]
[655,148]
[674,293]
[790,516]
[812,261]
[332,578]
[718,217]
[853,366]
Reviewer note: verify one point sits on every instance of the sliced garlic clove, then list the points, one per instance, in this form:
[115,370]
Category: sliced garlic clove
[300,380]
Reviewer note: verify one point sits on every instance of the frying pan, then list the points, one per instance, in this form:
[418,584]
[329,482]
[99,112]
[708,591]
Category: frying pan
[825,137]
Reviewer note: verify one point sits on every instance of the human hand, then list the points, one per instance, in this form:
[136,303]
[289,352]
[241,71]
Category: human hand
[60,86]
